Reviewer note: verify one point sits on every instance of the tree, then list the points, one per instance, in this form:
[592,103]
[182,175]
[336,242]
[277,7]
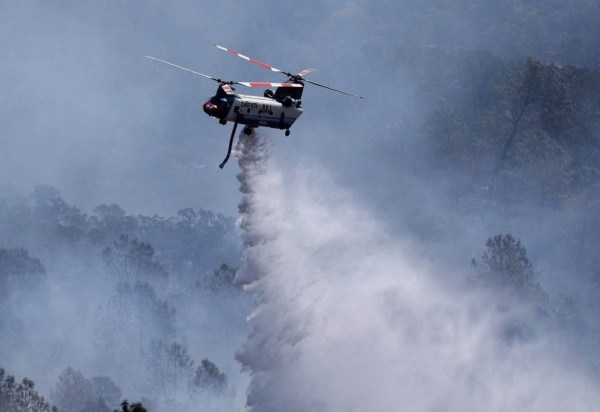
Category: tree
[536,97]
[510,280]
[54,215]
[19,271]
[127,325]
[110,221]
[106,390]
[20,397]
[209,377]
[504,266]
[221,281]
[170,367]
[134,407]
[544,165]
[17,262]
[110,216]
[72,392]
[132,260]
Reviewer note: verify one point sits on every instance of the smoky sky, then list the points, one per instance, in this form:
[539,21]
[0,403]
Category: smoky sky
[82,109]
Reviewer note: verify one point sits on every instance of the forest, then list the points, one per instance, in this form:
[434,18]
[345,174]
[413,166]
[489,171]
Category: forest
[128,283]
[523,138]
[512,145]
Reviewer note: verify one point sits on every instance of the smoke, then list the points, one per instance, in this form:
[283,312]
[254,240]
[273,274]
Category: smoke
[350,319]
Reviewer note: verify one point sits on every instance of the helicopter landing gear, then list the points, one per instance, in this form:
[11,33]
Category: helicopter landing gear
[287,132]
[247,131]
[230,144]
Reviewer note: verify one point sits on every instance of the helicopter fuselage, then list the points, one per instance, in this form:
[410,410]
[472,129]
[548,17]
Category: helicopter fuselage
[278,109]
[253,111]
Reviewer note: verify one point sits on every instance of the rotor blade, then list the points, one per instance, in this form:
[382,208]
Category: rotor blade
[184,68]
[269,84]
[251,60]
[331,88]
[306,71]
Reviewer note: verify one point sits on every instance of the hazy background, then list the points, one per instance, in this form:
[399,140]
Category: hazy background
[82,108]
[83,111]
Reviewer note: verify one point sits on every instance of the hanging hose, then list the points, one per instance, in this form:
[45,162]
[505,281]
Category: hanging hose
[230,144]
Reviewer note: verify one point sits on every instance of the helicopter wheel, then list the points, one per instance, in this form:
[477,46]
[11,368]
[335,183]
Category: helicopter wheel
[287,132]
[247,131]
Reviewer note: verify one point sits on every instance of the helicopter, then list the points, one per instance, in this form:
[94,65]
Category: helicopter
[277,109]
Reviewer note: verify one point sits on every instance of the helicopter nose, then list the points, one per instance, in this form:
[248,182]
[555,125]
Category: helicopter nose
[210,108]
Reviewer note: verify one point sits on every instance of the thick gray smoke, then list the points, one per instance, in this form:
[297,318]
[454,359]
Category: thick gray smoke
[350,320]
[361,306]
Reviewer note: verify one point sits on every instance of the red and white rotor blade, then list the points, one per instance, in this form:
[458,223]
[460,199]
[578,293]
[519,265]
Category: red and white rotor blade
[269,84]
[250,59]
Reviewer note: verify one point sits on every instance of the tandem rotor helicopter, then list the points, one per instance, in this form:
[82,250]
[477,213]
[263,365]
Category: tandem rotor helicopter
[277,109]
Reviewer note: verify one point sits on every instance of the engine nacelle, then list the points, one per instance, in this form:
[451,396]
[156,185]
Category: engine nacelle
[287,101]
